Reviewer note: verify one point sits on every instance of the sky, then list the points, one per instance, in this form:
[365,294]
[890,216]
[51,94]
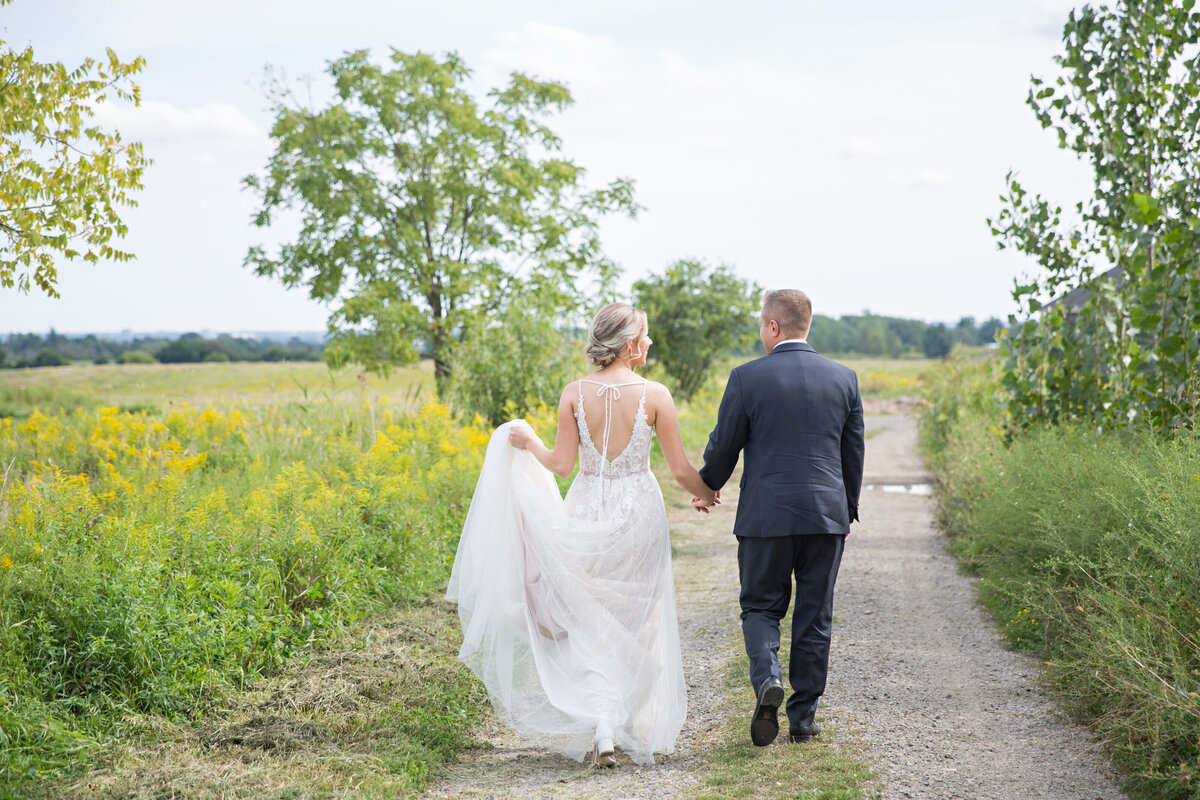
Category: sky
[854,151]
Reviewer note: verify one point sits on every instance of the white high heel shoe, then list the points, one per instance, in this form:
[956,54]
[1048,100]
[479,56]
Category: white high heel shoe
[603,753]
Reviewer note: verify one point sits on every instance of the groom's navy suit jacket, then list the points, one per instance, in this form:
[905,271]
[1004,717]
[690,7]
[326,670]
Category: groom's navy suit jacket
[798,418]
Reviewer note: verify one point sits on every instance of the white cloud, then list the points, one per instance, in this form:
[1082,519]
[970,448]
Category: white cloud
[679,72]
[549,52]
[863,147]
[155,121]
[923,179]
[1043,18]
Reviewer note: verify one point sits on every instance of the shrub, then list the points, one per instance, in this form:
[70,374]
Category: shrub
[48,358]
[512,366]
[136,357]
[696,314]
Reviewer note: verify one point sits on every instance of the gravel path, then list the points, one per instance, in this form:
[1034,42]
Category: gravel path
[917,674]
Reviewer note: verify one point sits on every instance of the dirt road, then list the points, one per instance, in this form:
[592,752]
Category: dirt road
[917,673]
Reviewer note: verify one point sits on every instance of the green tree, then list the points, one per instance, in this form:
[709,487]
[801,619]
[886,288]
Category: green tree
[696,314]
[937,341]
[1120,351]
[874,336]
[423,210]
[987,331]
[62,178]
[966,331]
[830,335]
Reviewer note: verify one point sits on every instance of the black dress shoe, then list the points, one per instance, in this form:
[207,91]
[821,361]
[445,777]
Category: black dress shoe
[804,733]
[764,726]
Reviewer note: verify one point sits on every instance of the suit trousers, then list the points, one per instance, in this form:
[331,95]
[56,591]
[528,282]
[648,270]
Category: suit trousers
[766,567]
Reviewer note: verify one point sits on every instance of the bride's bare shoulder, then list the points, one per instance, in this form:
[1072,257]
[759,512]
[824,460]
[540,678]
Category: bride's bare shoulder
[570,394]
[658,393]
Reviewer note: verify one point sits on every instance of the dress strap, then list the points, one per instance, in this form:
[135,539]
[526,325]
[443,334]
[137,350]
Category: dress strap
[608,392]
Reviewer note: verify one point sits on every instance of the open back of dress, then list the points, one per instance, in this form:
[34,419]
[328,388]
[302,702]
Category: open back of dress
[568,607]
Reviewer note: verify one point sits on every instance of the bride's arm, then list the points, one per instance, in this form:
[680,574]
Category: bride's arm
[666,425]
[560,460]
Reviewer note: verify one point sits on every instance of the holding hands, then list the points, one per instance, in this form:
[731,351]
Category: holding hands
[702,505]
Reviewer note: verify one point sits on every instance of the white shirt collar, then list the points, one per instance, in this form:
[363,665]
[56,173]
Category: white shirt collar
[790,341]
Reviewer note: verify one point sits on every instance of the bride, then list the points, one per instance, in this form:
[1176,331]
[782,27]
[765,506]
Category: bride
[568,608]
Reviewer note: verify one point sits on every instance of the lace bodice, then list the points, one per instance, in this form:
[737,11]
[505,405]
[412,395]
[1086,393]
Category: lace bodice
[635,458]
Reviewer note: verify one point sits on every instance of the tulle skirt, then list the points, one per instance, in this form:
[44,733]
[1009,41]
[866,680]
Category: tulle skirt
[568,608]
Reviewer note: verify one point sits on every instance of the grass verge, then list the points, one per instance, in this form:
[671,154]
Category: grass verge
[1085,542]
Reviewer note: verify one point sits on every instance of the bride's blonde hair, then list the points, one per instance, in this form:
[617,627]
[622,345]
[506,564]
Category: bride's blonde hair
[614,326]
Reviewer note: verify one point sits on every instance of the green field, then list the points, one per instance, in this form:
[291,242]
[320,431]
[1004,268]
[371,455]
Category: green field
[248,383]
[171,535]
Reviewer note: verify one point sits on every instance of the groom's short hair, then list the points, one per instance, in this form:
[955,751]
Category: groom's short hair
[791,308]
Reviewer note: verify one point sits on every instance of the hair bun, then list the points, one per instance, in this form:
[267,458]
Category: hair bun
[615,325]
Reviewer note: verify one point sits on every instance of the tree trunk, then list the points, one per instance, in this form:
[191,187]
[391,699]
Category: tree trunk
[441,363]
[441,342]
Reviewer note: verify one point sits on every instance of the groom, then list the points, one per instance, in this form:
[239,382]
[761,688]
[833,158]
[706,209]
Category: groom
[798,418]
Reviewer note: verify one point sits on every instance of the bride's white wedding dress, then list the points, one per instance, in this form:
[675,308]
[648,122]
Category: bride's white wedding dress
[568,607]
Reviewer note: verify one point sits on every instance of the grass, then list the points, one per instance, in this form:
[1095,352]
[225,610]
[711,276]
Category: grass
[886,378]
[154,563]
[830,767]
[374,717]
[156,386]
[1086,543]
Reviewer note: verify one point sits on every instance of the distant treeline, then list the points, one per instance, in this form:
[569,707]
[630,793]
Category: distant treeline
[862,334]
[56,350]
[873,335]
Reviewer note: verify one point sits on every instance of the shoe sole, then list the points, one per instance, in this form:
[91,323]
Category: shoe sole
[763,730]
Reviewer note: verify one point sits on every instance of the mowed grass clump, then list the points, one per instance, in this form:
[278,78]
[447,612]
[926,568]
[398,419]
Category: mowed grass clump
[1087,543]
[374,717]
[150,563]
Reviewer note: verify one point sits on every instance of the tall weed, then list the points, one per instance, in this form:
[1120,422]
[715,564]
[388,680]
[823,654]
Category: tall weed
[151,562]
[1085,541]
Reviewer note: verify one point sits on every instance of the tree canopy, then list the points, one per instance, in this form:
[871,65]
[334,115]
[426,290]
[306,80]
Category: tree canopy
[62,177]
[1121,351]
[422,209]
[696,314]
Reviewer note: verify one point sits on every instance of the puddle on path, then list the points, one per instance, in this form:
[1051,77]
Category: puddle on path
[902,488]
